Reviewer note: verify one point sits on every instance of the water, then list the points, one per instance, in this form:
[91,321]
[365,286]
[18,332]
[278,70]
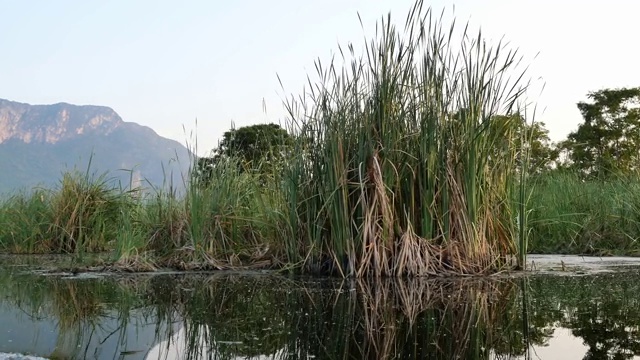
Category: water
[259,316]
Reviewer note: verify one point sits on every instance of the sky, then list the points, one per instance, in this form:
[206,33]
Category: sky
[189,69]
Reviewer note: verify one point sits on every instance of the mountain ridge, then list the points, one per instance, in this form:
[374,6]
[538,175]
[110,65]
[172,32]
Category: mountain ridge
[39,142]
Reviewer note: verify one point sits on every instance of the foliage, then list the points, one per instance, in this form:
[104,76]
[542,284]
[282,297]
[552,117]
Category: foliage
[408,162]
[260,148]
[84,213]
[608,141]
[234,220]
[81,215]
[571,216]
[543,154]
[531,141]
[389,183]
[24,221]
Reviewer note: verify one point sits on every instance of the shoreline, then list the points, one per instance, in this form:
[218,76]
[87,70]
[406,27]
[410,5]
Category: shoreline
[95,265]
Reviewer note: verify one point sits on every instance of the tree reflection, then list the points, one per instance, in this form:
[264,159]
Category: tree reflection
[603,310]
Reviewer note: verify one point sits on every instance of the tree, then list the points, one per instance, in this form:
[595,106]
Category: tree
[543,154]
[609,139]
[532,137]
[261,148]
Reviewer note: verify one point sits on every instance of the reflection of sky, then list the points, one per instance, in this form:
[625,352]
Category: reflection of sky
[137,334]
[24,334]
[562,346]
[28,335]
[40,337]
[175,348]
[109,339]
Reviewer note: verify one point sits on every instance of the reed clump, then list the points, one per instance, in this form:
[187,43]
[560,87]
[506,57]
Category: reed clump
[24,221]
[402,167]
[80,215]
[232,221]
[84,213]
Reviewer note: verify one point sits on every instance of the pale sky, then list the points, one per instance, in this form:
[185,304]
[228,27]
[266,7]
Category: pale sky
[165,64]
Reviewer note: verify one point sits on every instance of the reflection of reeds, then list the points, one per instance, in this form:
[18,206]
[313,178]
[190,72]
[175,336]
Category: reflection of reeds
[227,315]
[75,303]
[84,309]
[459,315]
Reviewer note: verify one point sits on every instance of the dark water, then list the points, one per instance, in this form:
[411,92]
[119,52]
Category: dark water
[225,316]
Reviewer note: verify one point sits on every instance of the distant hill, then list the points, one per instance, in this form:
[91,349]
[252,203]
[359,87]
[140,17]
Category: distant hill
[39,142]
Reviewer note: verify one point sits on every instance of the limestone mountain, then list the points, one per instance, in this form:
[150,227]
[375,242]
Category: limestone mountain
[39,142]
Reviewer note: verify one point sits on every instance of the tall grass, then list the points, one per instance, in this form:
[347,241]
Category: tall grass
[572,216]
[24,221]
[84,213]
[402,168]
[81,214]
[233,219]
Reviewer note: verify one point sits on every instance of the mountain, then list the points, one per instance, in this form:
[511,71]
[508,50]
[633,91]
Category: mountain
[39,142]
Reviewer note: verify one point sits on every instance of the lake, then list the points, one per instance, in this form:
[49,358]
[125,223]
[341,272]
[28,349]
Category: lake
[269,316]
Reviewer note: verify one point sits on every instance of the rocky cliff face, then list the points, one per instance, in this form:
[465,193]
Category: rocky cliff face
[54,123]
[39,142]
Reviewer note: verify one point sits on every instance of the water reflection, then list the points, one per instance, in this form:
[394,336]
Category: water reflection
[226,316]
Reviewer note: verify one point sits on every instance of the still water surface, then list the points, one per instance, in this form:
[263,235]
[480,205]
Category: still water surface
[253,316]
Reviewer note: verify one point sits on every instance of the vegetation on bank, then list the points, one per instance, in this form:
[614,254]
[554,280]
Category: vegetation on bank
[570,215]
[411,160]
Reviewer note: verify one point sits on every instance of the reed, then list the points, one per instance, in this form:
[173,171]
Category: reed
[572,216]
[402,168]
[85,212]
[132,250]
[81,215]
[232,221]
[24,221]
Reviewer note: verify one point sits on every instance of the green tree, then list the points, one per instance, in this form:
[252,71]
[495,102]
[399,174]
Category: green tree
[203,171]
[543,154]
[261,148]
[608,141]
[531,137]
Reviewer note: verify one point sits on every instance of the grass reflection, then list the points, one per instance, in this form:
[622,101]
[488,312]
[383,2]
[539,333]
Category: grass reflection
[231,316]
